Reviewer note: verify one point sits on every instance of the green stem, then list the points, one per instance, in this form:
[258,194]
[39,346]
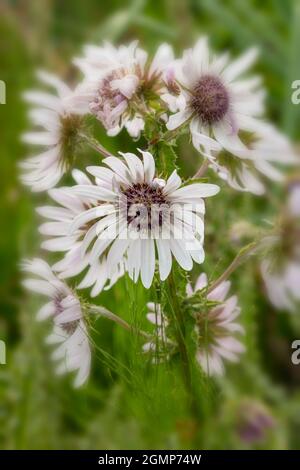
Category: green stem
[180,330]
[202,170]
[170,135]
[238,260]
[94,144]
[103,312]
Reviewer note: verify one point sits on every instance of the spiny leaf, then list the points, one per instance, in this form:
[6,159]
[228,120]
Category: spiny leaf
[166,158]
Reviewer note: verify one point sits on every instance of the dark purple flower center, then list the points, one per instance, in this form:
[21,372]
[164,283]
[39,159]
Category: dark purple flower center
[210,99]
[144,203]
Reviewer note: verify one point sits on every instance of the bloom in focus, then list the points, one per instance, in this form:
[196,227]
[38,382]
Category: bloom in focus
[58,134]
[216,100]
[69,330]
[215,329]
[281,267]
[120,85]
[75,259]
[135,213]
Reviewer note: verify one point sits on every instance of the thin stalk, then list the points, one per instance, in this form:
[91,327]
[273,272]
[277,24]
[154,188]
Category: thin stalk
[202,170]
[94,144]
[103,312]
[238,260]
[170,135]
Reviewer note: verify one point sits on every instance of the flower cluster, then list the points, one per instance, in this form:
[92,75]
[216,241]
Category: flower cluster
[133,214]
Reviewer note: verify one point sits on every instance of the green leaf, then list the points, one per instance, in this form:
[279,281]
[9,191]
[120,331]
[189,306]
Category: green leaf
[165,157]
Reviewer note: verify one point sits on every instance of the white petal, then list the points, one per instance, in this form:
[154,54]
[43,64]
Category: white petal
[201,282]
[240,65]
[135,166]
[173,183]
[59,243]
[193,191]
[148,262]
[181,255]
[40,138]
[44,100]
[116,253]
[46,311]
[65,198]
[149,166]
[176,120]
[41,287]
[52,80]
[163,56]
[164,258]
[89,215]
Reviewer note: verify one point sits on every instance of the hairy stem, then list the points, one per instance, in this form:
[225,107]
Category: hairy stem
[103,312]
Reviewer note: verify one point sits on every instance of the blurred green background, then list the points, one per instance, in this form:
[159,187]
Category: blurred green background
[128,403]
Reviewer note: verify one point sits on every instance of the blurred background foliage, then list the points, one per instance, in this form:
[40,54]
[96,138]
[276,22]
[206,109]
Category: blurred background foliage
[128,403]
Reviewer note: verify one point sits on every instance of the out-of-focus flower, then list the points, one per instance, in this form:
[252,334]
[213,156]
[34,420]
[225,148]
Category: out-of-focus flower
[59,137]
[224,110]
[120,85]
[242,231]
[294,199]
[215,329]
[254,422]
[268,150]
[75,245]
[134,211]
[282,285]
[69,331]
[281,268]
[160,344]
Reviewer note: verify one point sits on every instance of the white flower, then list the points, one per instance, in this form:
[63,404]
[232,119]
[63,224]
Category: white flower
[74,245]
[215,99]
[215,328]
[282,285]
[267,150]
[69,331]
[138,214]
[281,269]
[160,343]
[120,84]
[59,136]
[224,110]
